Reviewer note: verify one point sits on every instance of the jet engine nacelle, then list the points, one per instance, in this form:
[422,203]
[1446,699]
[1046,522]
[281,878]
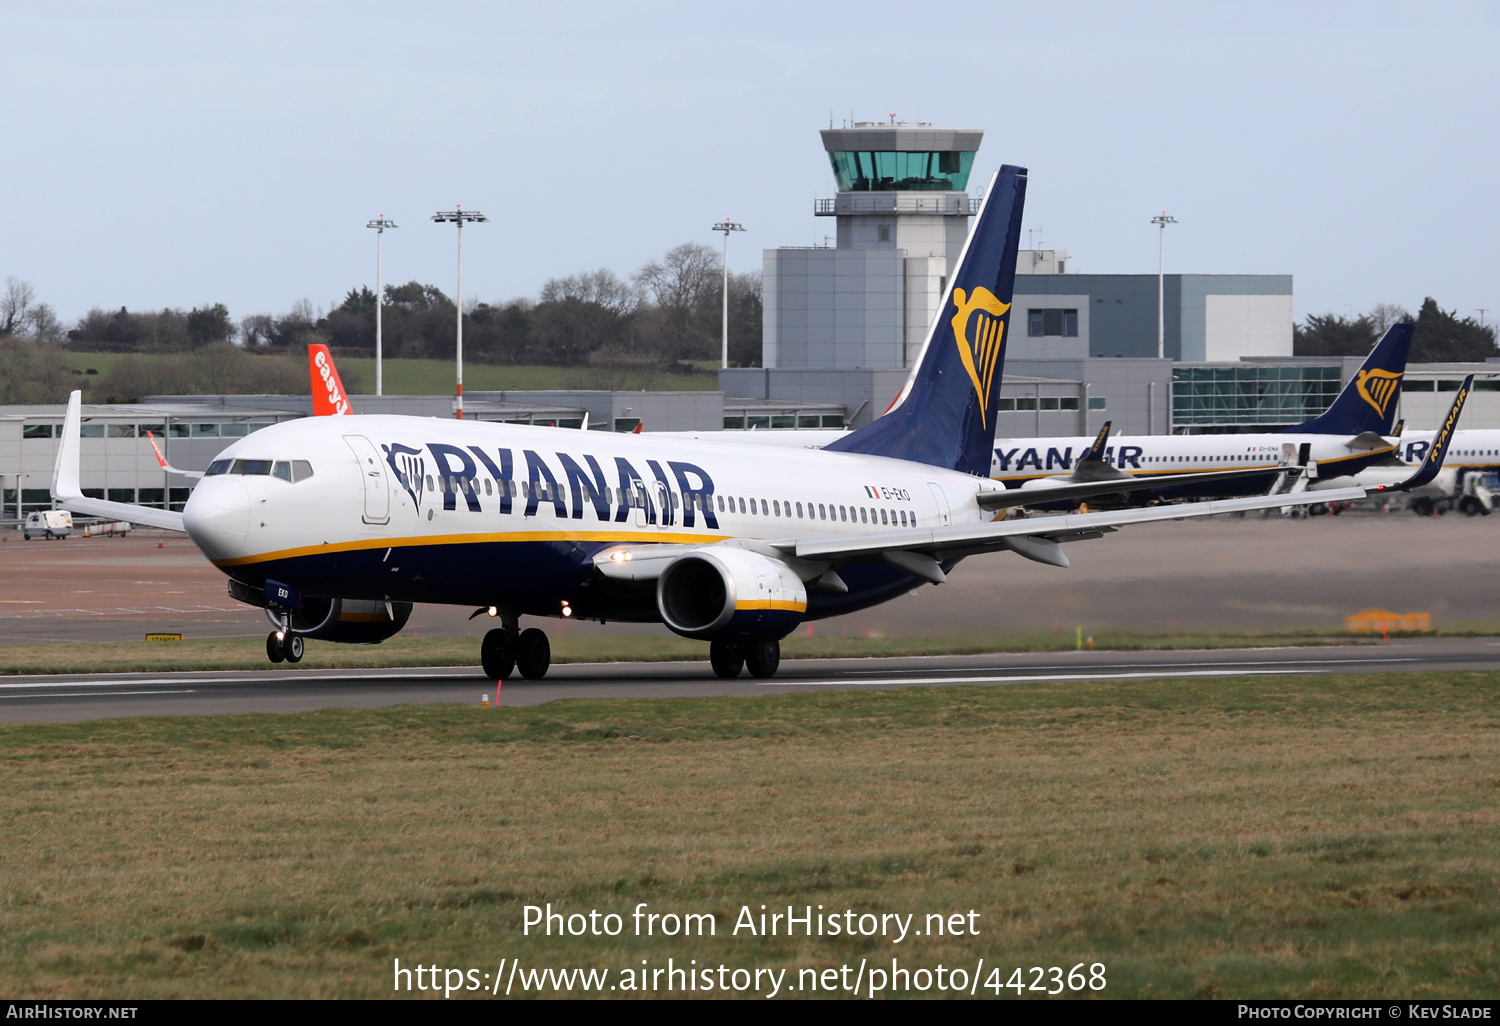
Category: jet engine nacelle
[726,593]
[349,621]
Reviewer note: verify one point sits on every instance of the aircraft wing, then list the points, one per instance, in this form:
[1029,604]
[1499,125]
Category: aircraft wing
[1037,539]
[67,493]
[1006,498]
[919,552]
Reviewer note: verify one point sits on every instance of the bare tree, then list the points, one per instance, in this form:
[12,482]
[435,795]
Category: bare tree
[1383,315]
[16,307]
[602,287]
[684,285]
[683,279]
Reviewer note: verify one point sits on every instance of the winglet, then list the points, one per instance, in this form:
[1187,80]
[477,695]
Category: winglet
[328,395]
[1440,444]
[163,460]
[1096,451]
[67,493]
[65,470]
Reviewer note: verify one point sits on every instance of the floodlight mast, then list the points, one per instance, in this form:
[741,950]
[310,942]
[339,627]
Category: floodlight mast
[1161,221]
[458,216]
[726,226]
[380,224]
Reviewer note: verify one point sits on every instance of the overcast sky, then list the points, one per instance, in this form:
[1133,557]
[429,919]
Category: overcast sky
[183,154]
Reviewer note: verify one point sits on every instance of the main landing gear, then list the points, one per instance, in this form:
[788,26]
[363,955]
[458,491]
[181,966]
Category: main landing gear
[284,647]
[505,649]
[762,658]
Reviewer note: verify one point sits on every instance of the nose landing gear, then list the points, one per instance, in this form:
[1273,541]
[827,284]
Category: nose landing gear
[284,647]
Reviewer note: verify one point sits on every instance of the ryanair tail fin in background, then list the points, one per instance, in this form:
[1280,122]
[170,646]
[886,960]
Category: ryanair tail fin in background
[1368,401]
[328,395]
[945,415]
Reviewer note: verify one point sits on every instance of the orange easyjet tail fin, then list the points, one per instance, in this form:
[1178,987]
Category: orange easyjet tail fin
[328,395]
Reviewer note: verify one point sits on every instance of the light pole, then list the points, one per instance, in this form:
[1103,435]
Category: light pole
[380,224]
[458,216]
[1161,221]
[726,227]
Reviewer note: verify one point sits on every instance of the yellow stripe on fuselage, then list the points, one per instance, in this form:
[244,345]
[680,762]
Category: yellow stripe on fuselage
[608,537]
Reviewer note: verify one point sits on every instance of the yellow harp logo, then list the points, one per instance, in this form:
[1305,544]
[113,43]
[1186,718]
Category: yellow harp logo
[1377,387]
[981,355]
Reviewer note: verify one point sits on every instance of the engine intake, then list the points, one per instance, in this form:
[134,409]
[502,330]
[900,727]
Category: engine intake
[730,593]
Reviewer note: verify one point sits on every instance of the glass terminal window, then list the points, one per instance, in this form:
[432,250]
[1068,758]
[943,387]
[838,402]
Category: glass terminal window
[902,170]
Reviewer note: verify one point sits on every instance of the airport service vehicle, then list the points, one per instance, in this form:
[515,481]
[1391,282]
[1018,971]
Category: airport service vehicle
[337,525]
[48,524]
[1473,493]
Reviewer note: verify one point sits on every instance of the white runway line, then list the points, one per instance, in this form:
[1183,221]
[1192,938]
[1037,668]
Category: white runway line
[100,694]
[284,679]
[1033,678]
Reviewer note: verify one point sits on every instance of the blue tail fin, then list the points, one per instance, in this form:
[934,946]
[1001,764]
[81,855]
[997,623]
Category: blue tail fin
[1368,401]
[945,416]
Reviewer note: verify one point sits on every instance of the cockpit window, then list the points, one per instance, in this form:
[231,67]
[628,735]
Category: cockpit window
[301,470]
[218,467]
[282,469]
[252,467]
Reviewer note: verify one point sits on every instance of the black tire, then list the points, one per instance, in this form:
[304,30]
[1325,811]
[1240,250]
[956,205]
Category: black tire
[293,648]
[533,654]
[726,659]
[762,657]
[497,655]
[274,650]
[1422,507]
[1470,506]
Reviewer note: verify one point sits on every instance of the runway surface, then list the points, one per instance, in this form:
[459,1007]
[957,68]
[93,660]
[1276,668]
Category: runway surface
[96,696]
[1222,572]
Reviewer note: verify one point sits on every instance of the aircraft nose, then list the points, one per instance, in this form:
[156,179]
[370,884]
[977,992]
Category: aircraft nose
[217,517]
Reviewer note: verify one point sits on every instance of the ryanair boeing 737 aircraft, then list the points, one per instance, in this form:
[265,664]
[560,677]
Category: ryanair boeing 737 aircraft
[337,525]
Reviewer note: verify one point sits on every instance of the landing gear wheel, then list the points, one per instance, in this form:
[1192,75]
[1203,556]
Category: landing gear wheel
[726,659]
[533,654]
[274,650]
[763,657]
[497,654]
[293,647]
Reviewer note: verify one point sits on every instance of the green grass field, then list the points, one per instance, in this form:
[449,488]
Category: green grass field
[249,653]
[1269,837]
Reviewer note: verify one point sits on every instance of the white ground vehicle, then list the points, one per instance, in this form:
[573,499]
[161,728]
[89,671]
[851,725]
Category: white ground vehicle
[1472,492]
[47,523]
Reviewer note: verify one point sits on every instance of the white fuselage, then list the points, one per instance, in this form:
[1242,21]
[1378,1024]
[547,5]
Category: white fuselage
[427,510]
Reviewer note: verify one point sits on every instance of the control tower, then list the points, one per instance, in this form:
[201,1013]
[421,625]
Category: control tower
[902,212]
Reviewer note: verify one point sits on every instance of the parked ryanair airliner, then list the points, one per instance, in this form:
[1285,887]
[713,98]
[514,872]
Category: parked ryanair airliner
[337,525]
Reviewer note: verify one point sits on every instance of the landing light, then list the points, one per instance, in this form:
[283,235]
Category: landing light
[620,557]
[493,611]
[281,635]
[567,610]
